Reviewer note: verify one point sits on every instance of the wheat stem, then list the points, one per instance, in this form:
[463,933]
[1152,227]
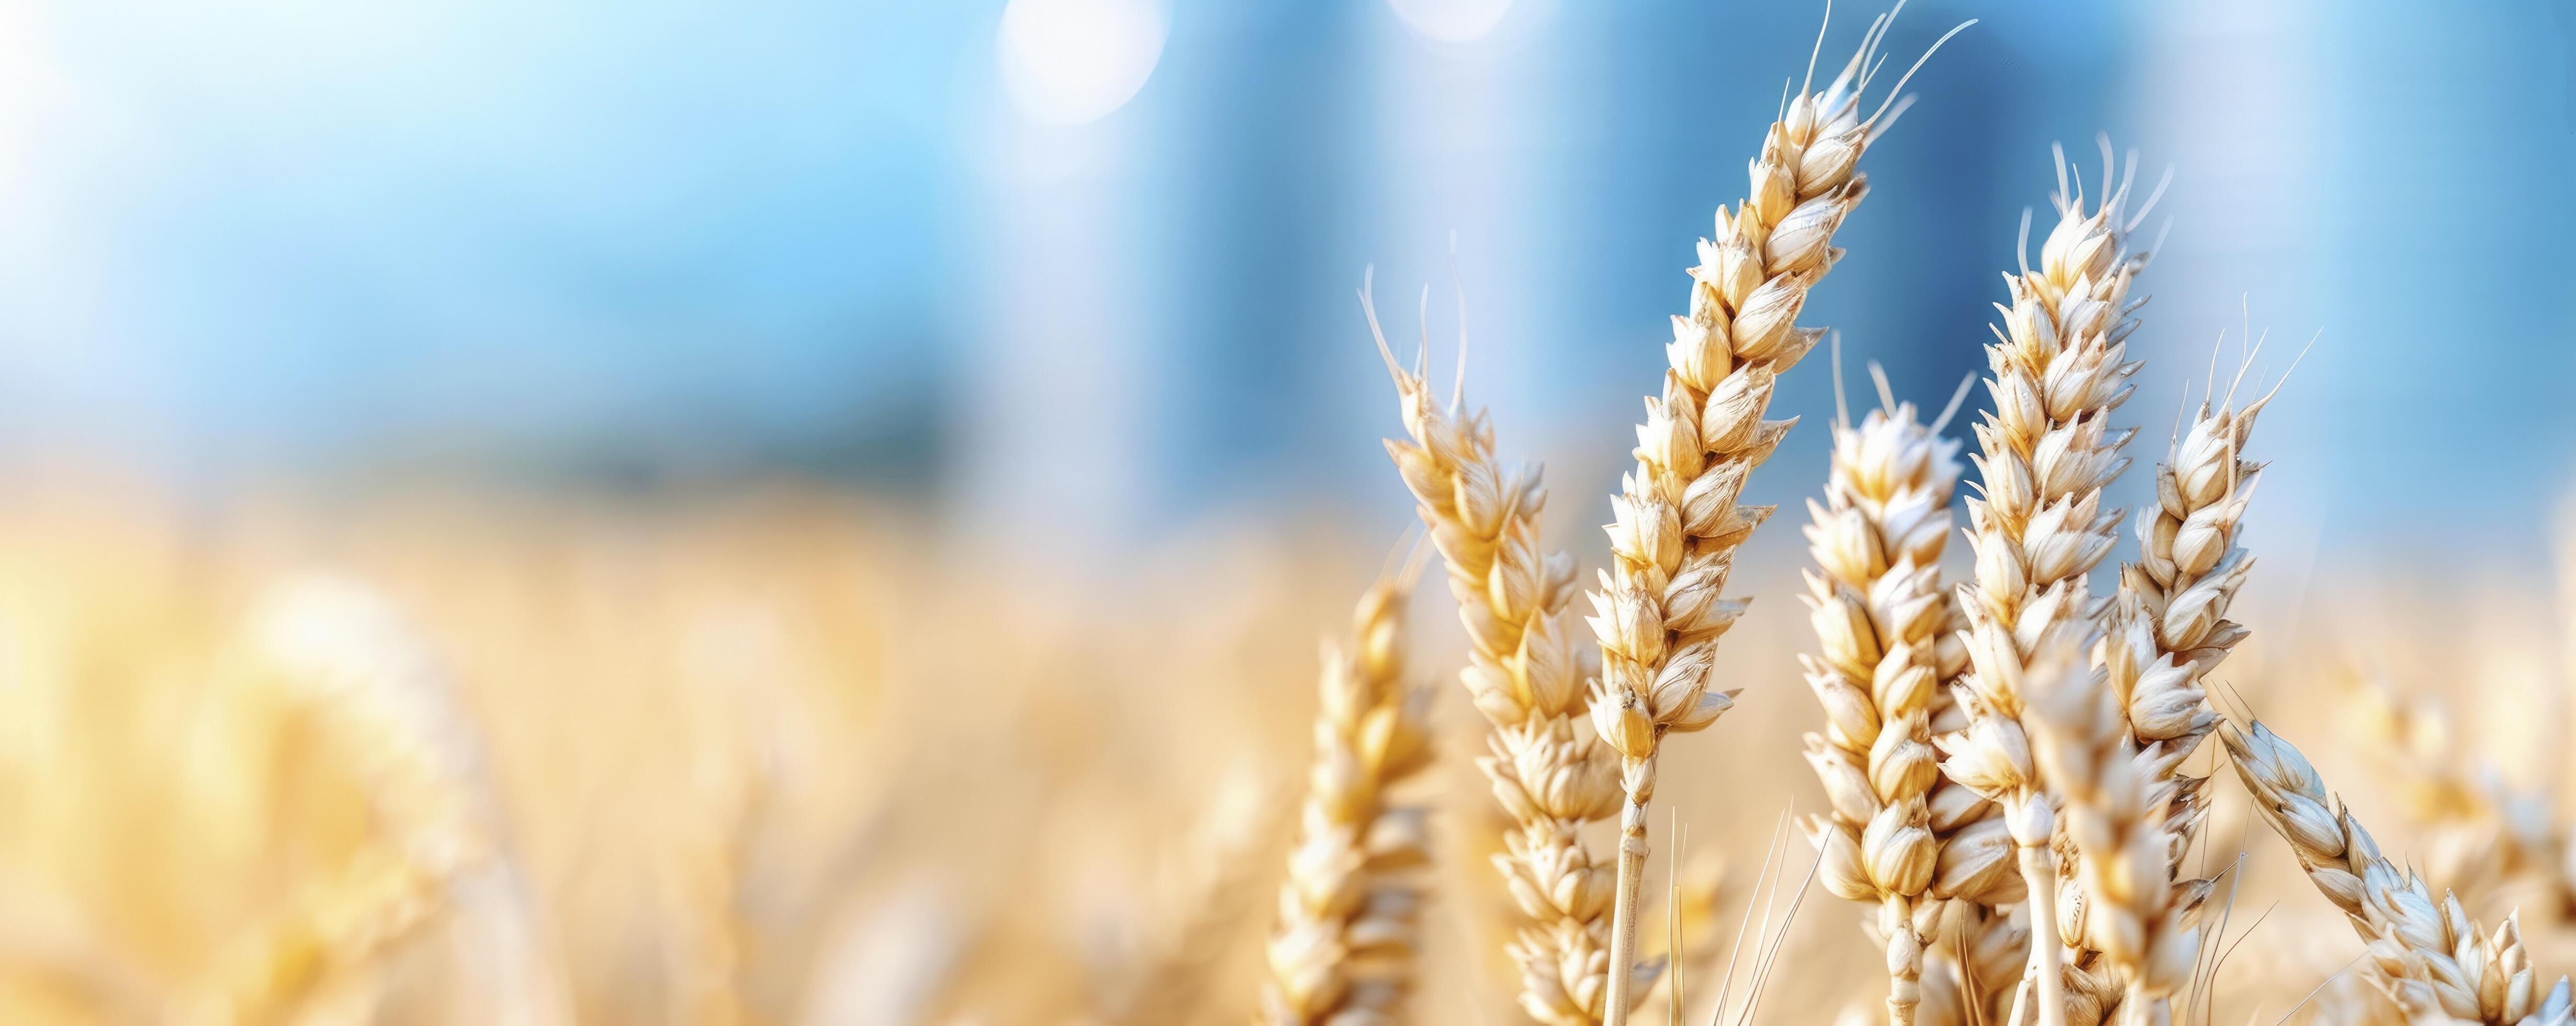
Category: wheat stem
[2039,869]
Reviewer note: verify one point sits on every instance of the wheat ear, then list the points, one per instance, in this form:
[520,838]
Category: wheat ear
[2166,631]
[2434,957]
[2119,816]
[1343,946]
[390,711]
[2046,453]
[1676,526]
[2169,627]
[1525,674]
[1884,625]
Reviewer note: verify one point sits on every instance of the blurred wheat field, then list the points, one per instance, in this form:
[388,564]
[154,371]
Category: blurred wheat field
[791,758]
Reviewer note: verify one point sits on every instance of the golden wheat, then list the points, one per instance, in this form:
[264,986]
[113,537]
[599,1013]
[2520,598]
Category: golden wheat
[2432,958]
[2119,818]
[1888,646]
[2047,451]
[1968,980]
[1659,610]
[954,826]
[2489,837]
[2169,628]
[1524,673]
[1342,949]
[1212,885]
[346,652]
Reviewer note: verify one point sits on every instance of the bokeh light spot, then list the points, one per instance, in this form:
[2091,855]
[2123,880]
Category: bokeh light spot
[1452,21]
[1067,62]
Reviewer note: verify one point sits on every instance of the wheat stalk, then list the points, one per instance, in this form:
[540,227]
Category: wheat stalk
[1525,674]
[2121,817]
[1884,623]
[1659,611]
[1342,950]
[2046,453]
[2434,958]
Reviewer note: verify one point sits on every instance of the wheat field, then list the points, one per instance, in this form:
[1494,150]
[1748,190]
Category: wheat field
[2042,716]
[767,760]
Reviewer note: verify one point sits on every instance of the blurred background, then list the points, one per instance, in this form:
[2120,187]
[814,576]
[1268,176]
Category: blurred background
[798,475]
[664,245]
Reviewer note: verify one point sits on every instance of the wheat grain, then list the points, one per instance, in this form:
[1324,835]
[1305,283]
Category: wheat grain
[2166,631]
[1525,674]
[1342,950]
[2046,453]
[1659,611]
[2431,956]
[1888,644]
